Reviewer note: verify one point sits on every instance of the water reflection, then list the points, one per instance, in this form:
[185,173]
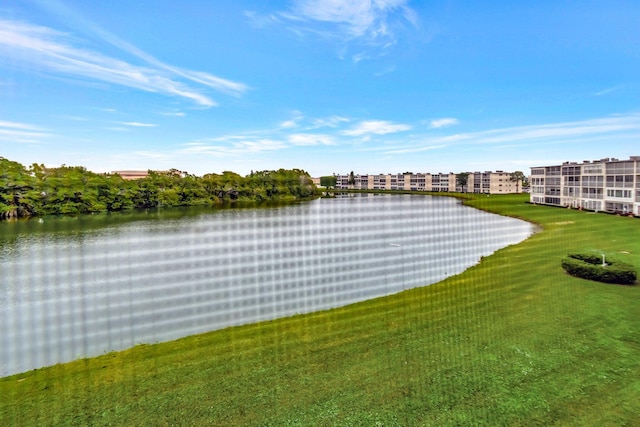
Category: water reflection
[74,288]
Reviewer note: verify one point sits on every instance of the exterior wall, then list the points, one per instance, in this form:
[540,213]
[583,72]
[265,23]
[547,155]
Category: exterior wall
[417,182]
[536,185]
[609,185]
[498,182]
[443,182]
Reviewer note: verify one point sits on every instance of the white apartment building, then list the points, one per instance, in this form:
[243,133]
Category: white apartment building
[498,182]
[609,185]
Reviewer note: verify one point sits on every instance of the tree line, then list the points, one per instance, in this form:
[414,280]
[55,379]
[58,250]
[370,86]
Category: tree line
[37,190]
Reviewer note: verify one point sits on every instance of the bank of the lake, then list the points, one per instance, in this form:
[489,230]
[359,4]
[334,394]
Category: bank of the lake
[511,341]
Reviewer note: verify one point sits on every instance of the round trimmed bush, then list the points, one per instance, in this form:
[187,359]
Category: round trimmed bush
[590,267]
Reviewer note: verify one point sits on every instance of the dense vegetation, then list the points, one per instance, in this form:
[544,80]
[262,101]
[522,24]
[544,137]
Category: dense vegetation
[512,341]
[328,181]
[590,267]
[73,190]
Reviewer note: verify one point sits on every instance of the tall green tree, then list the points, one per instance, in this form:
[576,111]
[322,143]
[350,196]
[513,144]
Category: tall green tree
[462,179]
[70,190]
[352,179]
[19,196]
[328,181]
[518,177]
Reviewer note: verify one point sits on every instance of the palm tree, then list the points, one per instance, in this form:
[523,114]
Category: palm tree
[352,180]
[518,177]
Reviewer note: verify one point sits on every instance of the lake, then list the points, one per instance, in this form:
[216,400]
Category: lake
[79,287]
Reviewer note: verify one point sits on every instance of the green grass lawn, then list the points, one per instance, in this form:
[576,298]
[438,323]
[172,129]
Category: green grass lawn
[511,341]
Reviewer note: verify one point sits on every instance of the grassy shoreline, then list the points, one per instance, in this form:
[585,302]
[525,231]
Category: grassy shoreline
[511,341]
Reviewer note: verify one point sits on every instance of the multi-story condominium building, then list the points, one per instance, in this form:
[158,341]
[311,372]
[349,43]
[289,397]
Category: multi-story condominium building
[498,182]
[443,182]
[479,182]
[609,185]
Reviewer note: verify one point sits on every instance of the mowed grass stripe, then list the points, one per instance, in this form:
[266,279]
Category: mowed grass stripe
[511,341]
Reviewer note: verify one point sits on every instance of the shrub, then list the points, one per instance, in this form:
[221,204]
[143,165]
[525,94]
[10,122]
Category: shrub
[590,267]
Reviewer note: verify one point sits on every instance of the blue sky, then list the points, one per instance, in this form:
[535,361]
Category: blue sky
[332,86]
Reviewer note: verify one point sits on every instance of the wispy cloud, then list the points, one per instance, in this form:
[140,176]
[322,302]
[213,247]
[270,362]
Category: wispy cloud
[372,20]
[373,25]
[388,70]
[237,146]
[22,132]
[440,123]
[607,128]
[559,131]
[173,114]
[17,125]
[331,122]
[311,139]
[296,118]
[55,52]
[139,124]
[297,132]
[607,91]
[377,127]
[302,122]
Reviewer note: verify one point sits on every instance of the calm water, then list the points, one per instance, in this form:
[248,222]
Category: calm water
[72,288]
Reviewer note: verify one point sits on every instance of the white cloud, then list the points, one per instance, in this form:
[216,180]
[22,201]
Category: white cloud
[51,50]
[372,25]
[17,125]
[559,131]
[235,146]
[439,123]
[263,144]
[606,129]
[139,124]
[310,139]
[607,91]
[173,114]
[357,18]
[21,132]
[294,121]
[260,21]
[332,122]
[377,127]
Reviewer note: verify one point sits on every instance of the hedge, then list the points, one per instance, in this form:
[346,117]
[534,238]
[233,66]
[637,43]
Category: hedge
[590,267]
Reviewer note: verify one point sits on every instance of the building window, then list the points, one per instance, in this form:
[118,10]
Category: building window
[619,193]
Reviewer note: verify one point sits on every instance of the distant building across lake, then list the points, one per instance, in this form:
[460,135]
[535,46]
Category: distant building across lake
[498,182]
[129,175]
